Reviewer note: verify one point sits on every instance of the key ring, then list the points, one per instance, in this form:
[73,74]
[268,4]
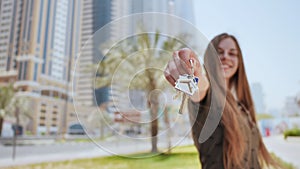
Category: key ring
[192,66]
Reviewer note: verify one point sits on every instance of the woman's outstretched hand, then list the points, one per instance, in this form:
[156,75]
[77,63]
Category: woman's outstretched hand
[180,64]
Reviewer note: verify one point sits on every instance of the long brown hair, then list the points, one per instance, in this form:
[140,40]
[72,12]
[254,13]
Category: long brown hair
[234,142]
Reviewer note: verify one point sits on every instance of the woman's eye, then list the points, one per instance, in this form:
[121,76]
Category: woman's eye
[233,54]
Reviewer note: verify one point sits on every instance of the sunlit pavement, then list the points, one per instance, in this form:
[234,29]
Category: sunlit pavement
[288,150]
[72,150]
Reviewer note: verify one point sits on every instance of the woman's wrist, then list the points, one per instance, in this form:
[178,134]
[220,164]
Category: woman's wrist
[203,86]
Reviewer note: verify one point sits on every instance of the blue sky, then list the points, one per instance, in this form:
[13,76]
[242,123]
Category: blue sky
[269,35]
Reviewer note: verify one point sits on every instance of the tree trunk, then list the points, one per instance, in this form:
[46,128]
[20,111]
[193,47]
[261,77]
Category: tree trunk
[154,105]
[167,122]
[102,129]
[15,132]
[154,128]
[1,125]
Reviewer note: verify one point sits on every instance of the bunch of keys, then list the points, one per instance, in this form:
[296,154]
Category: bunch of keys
[187,84]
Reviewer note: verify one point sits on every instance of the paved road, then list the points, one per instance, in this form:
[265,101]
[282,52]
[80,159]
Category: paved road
[288,150]
[75,150]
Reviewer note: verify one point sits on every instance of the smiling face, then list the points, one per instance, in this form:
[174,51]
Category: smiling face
[228,53]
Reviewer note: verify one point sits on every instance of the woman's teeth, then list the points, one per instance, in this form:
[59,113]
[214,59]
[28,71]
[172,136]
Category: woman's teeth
[225,66]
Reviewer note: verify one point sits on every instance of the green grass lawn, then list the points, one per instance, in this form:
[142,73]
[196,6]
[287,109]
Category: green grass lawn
[184,157]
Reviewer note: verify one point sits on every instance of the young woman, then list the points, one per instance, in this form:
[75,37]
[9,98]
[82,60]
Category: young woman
[236,142]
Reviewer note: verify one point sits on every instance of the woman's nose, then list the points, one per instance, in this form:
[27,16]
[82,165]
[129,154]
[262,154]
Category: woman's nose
[224,56]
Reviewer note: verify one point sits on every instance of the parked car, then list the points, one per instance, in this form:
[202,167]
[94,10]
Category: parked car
[7,130]
[76,129]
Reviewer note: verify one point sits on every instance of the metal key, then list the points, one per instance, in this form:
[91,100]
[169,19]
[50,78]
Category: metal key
[188,83]
[182,103]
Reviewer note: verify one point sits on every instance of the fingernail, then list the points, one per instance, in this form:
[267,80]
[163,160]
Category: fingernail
[183,53]
[175,53]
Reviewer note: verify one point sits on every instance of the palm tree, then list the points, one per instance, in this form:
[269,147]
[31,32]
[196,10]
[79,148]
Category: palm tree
[6,95]
[18,107]
[140,58]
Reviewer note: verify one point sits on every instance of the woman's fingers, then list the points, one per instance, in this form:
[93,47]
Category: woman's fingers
[169,77]
[172,68]
[181,65]
[171,73]
[186,55]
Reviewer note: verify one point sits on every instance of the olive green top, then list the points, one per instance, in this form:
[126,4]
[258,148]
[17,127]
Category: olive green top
[211,151]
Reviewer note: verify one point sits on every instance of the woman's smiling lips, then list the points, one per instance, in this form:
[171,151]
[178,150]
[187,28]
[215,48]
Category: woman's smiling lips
[226,66]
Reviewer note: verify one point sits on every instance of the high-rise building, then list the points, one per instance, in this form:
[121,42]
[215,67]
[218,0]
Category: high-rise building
[291,107]
[39,41]
[298,99]
[98,13]
[10,14]
[121,8]
[258,97]
[95,14]
[180,8]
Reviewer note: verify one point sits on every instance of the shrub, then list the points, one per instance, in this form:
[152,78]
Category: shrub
[291,132]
